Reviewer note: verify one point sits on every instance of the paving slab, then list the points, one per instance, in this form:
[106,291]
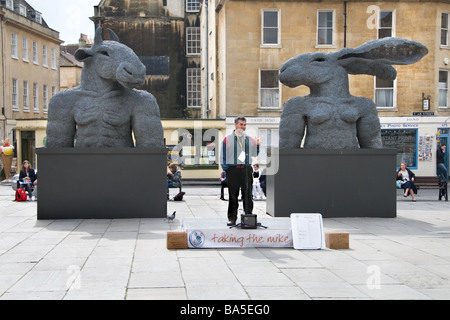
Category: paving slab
[399,258]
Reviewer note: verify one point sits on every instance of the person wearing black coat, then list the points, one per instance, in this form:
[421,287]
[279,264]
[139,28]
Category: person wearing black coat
[440,162]
[407,176]
[27,176]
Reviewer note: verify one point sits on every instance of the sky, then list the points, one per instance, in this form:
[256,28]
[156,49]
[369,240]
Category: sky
[69,17]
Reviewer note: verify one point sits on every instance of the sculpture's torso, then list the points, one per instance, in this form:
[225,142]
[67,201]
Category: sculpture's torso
[330,123]
[103,121]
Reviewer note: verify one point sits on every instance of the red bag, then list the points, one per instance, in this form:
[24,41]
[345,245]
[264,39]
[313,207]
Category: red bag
[21,195]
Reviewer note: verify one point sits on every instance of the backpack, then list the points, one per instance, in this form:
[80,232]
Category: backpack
[179,196]
[21,195]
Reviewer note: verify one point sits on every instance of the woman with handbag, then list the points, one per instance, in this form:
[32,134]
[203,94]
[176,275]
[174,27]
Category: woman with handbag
[407,177]
[27,177]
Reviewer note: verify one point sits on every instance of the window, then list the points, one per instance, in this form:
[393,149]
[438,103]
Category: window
[45,96]
[35,97]
[193,40]
[386,24]
[443,89]
[193,5]
[53,90]
[405,141]
[22,10]
[325,28]
[26,104]
[10,4]
[35,52]
[193,88]
[25,49]
[269,89]
[384,93]
[270,32]
[444,29]
[14,45]
[192,155]
[44,56]
[54,58]
[15,94]
[37,16]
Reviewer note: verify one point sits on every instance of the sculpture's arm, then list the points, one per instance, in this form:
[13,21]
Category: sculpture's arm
[368,126]
[61,126]
[146,122]
[292,124]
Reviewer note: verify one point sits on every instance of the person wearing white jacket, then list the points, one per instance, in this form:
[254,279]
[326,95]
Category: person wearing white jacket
[256,182]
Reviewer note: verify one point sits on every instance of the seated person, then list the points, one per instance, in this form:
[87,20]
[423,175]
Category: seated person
[407,177]
[27,177]
[173,178]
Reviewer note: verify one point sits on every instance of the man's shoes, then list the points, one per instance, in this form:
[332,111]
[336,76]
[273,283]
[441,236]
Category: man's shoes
[231,223]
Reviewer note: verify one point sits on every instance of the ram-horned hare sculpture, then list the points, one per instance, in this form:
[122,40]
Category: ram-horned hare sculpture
[330,117]
[105,110]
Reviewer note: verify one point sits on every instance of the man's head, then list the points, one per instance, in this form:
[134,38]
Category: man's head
[443,147]
[240,124]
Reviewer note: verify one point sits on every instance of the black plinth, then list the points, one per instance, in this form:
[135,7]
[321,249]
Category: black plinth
[335,183]
[101,183]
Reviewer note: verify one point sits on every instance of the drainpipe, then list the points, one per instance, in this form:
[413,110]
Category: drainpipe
[4,109]
[345,24]
[208,111]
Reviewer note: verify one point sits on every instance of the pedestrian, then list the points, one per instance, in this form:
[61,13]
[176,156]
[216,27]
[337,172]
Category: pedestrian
[237,151]
[407,177]
[256,182]
[440,162]
[173,178]
[223,184]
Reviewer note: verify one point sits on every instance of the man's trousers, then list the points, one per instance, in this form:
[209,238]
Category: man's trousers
[239,178]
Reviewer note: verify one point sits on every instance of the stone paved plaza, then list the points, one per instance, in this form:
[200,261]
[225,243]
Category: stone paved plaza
[403,258]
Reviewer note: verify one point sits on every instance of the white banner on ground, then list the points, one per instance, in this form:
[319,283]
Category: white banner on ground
[239,238]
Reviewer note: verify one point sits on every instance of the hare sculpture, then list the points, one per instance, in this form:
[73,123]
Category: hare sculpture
[105,110]
[330,117]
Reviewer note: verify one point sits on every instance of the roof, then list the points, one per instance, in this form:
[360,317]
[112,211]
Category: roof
[31,12]
[68,60]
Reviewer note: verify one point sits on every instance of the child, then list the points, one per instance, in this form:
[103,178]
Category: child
[256,182]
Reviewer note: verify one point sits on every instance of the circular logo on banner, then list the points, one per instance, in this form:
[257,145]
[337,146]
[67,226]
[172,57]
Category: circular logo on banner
[197,239]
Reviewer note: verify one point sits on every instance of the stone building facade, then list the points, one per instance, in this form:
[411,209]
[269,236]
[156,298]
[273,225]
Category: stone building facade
[250,40]
[29,69]
[165,34]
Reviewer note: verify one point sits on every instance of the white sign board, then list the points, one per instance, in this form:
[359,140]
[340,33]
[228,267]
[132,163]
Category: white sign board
[307,231]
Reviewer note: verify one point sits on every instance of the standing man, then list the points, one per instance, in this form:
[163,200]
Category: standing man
[237,152]
[440,161]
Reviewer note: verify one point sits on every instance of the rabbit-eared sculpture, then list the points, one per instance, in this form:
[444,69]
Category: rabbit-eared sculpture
[330,117]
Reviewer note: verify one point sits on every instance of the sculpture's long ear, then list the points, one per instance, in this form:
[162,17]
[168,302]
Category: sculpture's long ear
[113,36]
[376,57]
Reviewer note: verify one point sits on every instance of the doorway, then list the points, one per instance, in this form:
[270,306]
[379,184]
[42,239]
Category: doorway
[28,141]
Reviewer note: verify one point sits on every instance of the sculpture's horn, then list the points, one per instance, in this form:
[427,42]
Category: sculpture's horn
[98,36]
[113,36]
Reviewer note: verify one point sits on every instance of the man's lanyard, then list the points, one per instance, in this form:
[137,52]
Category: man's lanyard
[241,143]
[244,144]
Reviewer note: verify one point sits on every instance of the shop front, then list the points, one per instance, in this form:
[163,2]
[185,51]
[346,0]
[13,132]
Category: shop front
[194,145]
[416,140]
[29,135]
